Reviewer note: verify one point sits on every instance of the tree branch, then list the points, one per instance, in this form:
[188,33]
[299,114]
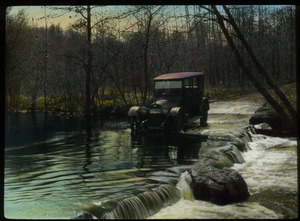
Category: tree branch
[260,68]
[250,75]
[79,10]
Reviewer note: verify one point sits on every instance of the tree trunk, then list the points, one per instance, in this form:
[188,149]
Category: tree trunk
[6,100]
[228,73]
[277,63]
[119,89]
[249,74]
[89,65]
[210,70]
[291,44]
[45,60]
[146,78]
[262,71]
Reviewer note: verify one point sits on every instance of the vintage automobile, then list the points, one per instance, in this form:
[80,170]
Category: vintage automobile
[178,97]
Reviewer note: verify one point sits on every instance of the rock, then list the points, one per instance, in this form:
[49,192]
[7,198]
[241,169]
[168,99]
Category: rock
[220,157]
[262,126]
[268,116]
[84,216]
[219,186]
[215,158]
[267,122]
[241,143]
[233,153]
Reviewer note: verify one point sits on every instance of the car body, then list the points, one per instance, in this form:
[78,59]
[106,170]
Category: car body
[178,97]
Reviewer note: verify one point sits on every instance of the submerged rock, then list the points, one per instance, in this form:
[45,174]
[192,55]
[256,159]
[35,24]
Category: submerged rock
[212,180]
[84,216]
[220,157]
[262,126]
[219,186]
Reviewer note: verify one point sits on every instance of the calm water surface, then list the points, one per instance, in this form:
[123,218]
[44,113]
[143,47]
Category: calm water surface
[55,165]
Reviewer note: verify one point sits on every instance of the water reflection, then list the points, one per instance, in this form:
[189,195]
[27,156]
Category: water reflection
[55,164]
[88,145]
[165,150]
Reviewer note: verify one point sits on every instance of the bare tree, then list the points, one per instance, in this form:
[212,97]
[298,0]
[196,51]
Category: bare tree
[260,68]
[18,46]
[146,27]
[290,122]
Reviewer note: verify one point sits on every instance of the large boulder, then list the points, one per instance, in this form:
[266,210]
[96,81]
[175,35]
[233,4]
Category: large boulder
[266,121]
[219,186]
[268,116]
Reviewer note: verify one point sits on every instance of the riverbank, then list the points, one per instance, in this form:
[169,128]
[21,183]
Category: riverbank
[257,97]
[110,109]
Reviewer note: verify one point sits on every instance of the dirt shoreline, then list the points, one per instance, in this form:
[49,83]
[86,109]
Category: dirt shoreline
[258,98]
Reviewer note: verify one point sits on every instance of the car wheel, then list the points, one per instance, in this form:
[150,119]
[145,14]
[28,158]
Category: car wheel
[133,123]
[135,131]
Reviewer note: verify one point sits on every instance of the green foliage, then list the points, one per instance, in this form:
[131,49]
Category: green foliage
[224,94]
[74,104]
[291,95]
[23,103]
[66,104]
[40,104]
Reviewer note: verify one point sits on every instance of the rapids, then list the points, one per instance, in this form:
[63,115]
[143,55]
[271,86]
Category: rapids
[59,167]
[270,171]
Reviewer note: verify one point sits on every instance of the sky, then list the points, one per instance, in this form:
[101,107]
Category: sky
[36,14]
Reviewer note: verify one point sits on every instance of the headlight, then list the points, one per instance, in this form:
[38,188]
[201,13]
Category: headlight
[165,110]
[143,111]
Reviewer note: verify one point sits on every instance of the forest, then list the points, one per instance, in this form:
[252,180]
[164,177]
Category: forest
[109,60]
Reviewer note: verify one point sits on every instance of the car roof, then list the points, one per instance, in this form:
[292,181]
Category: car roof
[178,75]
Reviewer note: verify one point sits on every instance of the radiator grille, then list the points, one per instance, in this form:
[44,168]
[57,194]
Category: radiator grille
[155,120]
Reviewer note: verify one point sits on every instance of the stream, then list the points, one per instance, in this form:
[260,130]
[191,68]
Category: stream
[56,167]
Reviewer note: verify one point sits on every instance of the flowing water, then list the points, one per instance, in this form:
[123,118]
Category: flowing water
[57,167]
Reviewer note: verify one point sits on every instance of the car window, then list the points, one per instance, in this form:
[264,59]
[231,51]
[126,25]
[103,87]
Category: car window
[195,85]
[190,86]
[167,87]
[167,84]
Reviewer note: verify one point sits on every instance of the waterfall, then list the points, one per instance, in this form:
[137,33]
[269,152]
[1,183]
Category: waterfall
[184,186]
[151,201]
[138,206]
[234,154]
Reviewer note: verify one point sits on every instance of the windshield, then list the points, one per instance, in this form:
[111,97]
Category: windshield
[168,87]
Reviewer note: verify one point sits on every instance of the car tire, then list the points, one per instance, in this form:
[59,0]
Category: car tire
[204,107]
[135,130]
[134,125]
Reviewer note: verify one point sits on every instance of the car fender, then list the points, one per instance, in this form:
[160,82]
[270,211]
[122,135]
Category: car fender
[134,111]
[175,111]
[205,104]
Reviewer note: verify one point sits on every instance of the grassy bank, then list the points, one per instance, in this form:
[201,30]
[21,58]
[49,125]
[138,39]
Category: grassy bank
[222,94]
[74,104]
